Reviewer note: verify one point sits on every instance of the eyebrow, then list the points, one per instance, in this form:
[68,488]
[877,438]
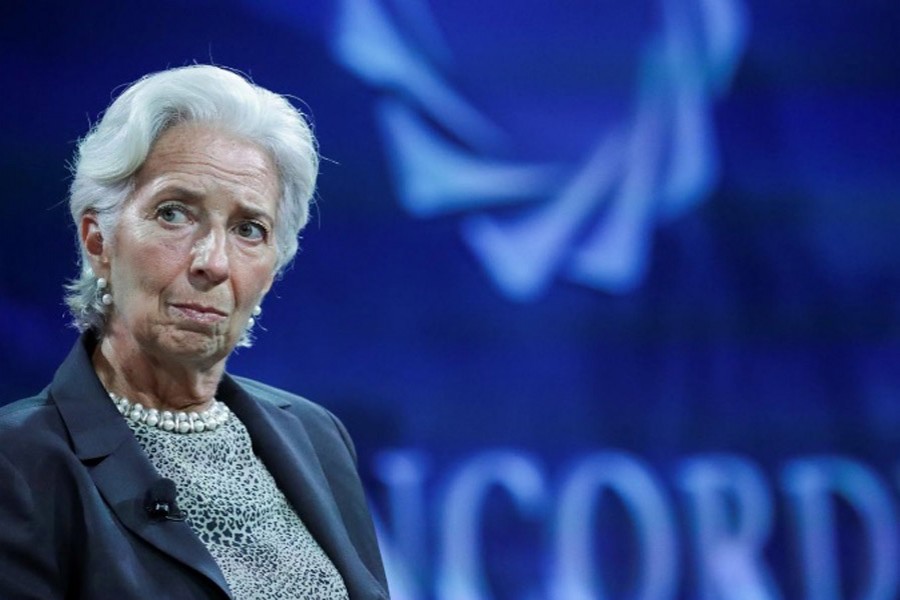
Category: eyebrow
[190,195]
[251,212]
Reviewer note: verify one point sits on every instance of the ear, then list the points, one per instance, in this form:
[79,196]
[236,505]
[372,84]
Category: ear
[95,246]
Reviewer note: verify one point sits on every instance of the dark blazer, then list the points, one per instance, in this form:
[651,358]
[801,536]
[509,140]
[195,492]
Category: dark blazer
[74,480]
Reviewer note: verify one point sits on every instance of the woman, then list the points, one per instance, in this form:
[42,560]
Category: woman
[144,470]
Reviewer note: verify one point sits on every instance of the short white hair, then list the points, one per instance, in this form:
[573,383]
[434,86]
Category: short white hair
[108,157]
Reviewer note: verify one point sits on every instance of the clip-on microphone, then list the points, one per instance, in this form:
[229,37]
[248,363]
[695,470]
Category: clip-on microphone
[160,503]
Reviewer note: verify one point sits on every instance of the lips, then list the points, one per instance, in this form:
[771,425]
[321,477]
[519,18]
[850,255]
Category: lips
[199,313]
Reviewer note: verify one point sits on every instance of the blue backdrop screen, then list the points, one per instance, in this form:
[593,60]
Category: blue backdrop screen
[606,293]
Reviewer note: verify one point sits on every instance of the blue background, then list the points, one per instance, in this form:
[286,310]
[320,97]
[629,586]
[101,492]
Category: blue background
[761,324]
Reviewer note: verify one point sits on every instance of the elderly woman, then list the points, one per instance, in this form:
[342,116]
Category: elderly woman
[144,470]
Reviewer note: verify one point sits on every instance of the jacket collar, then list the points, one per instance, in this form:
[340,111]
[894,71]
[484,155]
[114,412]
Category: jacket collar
[94,424]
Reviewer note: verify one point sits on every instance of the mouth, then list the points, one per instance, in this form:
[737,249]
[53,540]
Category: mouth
[199,313]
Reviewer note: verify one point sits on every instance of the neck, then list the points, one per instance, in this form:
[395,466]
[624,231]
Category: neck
[128,372]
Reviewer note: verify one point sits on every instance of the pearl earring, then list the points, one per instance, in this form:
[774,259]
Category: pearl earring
[257,310]
[105,298]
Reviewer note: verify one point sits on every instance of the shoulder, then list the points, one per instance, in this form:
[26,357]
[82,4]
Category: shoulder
[30,421]
[276,396]
[16,412]
[302,407]
[319,422]
[33,436]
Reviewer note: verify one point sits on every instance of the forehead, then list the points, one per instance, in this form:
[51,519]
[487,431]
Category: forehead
[204,156]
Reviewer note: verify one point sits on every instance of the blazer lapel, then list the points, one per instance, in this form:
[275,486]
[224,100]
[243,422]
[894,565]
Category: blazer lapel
[282,443]
[117,464]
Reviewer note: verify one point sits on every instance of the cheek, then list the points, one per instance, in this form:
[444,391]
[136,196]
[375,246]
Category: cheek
[155,262]
[255,281]
[149,268]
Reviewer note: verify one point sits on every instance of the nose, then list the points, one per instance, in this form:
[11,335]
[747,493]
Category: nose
[209,262]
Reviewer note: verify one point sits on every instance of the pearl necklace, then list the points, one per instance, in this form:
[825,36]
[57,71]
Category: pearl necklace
[176,421]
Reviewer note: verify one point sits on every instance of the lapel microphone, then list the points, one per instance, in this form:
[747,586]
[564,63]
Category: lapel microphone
[160,503]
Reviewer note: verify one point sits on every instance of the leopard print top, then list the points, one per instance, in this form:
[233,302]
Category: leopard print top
[236,509]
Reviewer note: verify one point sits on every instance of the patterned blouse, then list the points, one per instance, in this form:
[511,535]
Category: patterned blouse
[236,509]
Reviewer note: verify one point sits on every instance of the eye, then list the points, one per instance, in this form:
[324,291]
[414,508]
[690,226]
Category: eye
[251,230]
[172,213]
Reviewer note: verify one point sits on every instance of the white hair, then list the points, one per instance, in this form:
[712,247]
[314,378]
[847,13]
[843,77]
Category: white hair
[108,157]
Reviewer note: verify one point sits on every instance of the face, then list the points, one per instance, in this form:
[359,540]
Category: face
[194,250]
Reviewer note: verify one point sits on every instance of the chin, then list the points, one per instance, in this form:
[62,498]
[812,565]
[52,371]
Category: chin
[195,345]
